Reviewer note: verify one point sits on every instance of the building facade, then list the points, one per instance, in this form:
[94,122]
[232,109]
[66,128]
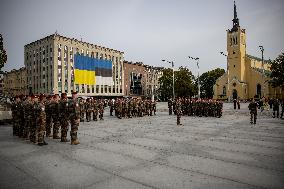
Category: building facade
[246,76]
[153,74]
[134,78]
[1,83]
[50,64]
[15,82]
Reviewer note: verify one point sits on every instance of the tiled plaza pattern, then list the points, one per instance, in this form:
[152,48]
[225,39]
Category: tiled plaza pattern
[152,152]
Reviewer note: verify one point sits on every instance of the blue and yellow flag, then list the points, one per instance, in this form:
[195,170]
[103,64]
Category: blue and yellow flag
[92,71]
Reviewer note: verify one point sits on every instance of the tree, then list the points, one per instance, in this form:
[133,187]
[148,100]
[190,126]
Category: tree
[184,86]
[207,81]
[3,55]
[277,71]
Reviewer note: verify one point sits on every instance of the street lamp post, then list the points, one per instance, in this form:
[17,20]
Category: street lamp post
[262,50]
[228,80]
[172,62]
[198,81]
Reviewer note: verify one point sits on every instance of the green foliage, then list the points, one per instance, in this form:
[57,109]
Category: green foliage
[207,81]
[184,86]
[277,71]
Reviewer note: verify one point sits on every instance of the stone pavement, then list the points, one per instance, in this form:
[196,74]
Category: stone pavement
[152,152]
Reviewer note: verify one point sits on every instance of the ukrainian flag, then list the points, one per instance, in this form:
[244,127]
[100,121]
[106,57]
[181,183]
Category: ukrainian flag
[84,70]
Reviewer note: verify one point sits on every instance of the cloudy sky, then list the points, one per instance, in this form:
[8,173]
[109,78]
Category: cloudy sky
[146,30]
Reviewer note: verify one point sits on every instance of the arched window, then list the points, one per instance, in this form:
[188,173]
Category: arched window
[224,90]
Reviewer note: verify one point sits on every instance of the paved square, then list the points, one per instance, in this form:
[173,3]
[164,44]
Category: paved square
[152,152]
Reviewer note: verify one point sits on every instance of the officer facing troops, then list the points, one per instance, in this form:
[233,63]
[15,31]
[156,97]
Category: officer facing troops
[178,110]
[74,112]
[253,111]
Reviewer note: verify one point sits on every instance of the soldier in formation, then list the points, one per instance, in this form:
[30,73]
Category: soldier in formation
[193,107]
[34,117]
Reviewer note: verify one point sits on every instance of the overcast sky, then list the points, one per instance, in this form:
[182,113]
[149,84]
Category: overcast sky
[146,30]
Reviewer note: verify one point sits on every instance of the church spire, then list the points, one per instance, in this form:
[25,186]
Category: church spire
[235,20]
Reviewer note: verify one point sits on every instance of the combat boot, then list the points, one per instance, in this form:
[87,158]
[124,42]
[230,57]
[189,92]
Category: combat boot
[75,142]
[56,136]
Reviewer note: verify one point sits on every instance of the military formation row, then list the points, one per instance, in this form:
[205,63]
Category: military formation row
[121,107]
[192,107]
[36,117]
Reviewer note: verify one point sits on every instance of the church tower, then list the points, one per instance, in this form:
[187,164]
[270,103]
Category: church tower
[236,50]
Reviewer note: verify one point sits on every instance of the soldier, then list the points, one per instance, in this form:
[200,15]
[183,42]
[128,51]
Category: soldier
[54,106]
[101,109]
[95,110]
[40,120]
[154,104]
[130,108]
[253,111]
[239,103]
[48,112]
[178,110]
[282,108]
[21,116]
[82,110]
[15,116]
[276,108]
[34,123]
[27,117]
[74,112]
[63,117]
[89,109]
[170,104]
[235,103]
[111,106]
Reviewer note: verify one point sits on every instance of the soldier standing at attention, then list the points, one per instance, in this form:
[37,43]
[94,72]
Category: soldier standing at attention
[235,103]
[170,104]
[15,115]
[74,112]
[253,111]
[95,110]
[89,109]
[276,108]
[101,109]
[63,116]
[34,123]
[55,116]
[178,110]
[82,110]
[41,120]
[48,112]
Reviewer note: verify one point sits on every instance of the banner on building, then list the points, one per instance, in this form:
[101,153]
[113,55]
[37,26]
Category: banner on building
[92,71]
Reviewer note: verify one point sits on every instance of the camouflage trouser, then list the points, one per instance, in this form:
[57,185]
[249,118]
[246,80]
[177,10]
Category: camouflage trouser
[64,127]
[170,111]
[95,115]
[48,125]
[101,115]
[88,115]
[178,119]
[56,125]
[82,116]
[26,130]
[33,132]
[74,128]
[253,117]
[40,132]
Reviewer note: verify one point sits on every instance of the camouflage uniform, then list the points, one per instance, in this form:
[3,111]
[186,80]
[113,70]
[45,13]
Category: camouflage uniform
[40,122]
[178,111]
[15,118]
[28,111]
[54,106]
[74,112]
[89,110]
[34,123]
[95,110]
[253,112]
[63,117]
[101,110]
[170,104]
[48,112]
[82,110]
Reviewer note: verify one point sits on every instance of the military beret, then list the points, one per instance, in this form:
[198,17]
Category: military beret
[63,95]
[74,92]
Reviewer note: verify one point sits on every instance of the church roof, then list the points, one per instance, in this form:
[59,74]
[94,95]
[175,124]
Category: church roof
[258,59]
